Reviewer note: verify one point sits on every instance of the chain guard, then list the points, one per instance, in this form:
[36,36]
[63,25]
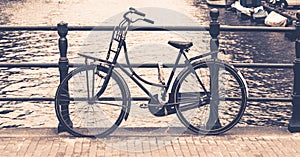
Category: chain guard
[160,110]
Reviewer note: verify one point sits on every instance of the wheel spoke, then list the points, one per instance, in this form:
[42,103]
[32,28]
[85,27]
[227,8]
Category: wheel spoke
[195,108]
[82,113]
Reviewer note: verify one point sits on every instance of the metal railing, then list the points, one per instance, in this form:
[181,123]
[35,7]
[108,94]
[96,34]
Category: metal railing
[214,29]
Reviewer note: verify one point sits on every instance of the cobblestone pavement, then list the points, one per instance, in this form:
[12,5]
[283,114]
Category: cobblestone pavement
[247,141]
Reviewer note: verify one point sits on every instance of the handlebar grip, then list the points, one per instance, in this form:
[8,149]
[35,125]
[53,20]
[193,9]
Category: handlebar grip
[131,8]
[149,21]
[137,12]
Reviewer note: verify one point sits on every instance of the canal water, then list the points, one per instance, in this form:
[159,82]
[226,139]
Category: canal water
[41,47]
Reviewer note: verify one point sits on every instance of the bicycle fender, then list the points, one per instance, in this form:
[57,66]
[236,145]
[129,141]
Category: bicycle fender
[239,74]
[244,81]
[128,96]
[236,70]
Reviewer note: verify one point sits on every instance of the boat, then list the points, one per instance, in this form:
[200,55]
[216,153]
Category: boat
[288,14]
[259,15]
[220,3]
[246,10]
[216,2]
[241,11]
[276,20]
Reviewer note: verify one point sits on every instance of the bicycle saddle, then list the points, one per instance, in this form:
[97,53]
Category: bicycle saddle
[181,44]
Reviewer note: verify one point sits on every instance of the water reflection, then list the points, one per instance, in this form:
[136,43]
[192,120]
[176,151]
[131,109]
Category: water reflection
[23,46]
[4,18]
[261,47]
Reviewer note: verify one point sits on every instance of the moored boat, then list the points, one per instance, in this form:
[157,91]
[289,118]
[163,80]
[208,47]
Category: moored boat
[276,20]
[250,10]
[220,3]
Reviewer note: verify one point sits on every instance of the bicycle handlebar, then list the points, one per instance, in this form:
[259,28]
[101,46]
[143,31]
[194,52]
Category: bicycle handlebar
[149,21]
[137,12]
[133,10]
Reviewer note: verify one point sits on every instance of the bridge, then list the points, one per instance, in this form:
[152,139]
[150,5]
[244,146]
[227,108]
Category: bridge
[214,29]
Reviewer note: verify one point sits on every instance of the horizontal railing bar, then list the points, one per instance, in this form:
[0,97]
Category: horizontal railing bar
[132,98]
[186,28]
[222,28]
[28,28]
[26,65]
[52,99]
[153,65]
[262,65]
[149,65]
[170,28]
[255,29]
[27,99]
[36,65]
[256,99]
[105,28]
[152,28]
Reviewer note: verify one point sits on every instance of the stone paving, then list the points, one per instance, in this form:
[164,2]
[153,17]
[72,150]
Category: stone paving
[240,141]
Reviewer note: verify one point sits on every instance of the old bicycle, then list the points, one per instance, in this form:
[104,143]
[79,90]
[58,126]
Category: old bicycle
[209,96]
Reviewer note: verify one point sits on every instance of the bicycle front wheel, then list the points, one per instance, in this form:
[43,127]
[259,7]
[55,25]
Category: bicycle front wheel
[82,111]
[211,97]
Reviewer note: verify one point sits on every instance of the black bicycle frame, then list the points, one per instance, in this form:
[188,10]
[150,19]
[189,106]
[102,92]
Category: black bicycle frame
[137,79]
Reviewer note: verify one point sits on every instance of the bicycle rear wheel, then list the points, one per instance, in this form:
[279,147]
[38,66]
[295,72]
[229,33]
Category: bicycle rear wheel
[211,97]
[81,111]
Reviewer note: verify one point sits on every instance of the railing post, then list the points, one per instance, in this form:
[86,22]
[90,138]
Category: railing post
[62,29]
[294,124]
[214,30]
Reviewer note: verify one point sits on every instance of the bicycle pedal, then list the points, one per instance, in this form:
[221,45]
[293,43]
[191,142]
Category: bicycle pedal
[143,106]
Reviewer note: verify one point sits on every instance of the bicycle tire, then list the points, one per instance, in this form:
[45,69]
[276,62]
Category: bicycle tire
[80,111]
[217,111]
